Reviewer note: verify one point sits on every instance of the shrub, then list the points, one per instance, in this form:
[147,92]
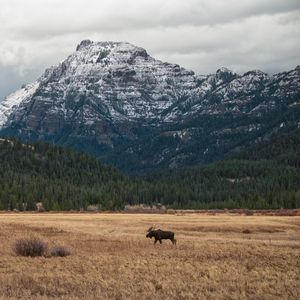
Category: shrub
[39,207]
[247,231]
[93,207]
[248,212]
[60,251]
[32,247]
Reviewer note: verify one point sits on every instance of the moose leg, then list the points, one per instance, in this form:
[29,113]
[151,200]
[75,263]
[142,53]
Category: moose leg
[160,241]
[155,241]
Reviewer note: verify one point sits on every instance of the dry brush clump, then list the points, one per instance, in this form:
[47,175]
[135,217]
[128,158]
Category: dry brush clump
[31,246]
[60,251]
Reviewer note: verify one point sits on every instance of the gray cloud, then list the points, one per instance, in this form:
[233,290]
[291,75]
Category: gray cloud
[198,34]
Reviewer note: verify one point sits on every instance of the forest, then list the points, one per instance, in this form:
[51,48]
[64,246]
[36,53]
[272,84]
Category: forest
[264,176]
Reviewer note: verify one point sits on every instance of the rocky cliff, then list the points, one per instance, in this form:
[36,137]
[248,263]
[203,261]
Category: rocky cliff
[114,100]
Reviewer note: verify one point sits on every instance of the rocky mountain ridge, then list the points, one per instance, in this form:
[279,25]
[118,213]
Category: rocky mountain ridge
[116,101]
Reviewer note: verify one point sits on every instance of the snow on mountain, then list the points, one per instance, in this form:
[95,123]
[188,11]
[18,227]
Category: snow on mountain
[108,94]
[12,102]
[120,81]
[122,78]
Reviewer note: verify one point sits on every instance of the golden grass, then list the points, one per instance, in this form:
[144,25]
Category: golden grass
[112,259]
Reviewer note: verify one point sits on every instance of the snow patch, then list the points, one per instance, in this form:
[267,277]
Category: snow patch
[12,102]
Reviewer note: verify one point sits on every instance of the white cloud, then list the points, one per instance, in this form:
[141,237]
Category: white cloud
[198,34]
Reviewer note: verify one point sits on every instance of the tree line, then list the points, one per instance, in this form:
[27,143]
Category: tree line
[63,179]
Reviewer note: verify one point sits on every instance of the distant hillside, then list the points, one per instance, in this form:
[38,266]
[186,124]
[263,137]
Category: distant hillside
[266,175]
[284,148]
[63,179]
[231,184]
[60,178]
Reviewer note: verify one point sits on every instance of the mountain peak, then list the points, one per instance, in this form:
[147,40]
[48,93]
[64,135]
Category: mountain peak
[223,70]
[83,44]
[256,72]
[106,44]
[106,51]
[224,75]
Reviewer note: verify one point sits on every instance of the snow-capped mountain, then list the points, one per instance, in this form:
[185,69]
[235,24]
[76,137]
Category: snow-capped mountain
[115,100]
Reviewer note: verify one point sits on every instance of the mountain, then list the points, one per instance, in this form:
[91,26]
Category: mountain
[114,100]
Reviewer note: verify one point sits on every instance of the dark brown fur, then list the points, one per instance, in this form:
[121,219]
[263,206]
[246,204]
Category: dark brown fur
[161,235]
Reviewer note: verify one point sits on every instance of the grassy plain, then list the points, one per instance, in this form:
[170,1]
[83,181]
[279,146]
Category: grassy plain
[112,259]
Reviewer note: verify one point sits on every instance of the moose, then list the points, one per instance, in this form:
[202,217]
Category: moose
[160,235]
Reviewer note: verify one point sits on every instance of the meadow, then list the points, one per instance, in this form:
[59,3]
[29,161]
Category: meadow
[221,256]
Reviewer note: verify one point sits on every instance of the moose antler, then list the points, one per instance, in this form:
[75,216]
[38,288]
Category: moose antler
[151,228]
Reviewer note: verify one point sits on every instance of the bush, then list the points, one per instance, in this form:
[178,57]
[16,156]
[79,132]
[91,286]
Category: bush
[32,247]
[249,212]
[93,207]
[60,251]
[40,207]
[247,231]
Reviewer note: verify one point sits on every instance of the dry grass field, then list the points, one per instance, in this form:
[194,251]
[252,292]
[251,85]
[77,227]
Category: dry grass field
[112,259]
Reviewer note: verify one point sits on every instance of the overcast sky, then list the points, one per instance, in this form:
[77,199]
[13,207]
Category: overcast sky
[201,35]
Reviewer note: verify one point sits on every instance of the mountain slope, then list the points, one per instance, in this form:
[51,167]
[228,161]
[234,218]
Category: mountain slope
[283,148]
[63,179]
[140,114]
[58,177]
[266,175]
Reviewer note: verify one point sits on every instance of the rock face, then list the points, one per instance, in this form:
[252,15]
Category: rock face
[116,101]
